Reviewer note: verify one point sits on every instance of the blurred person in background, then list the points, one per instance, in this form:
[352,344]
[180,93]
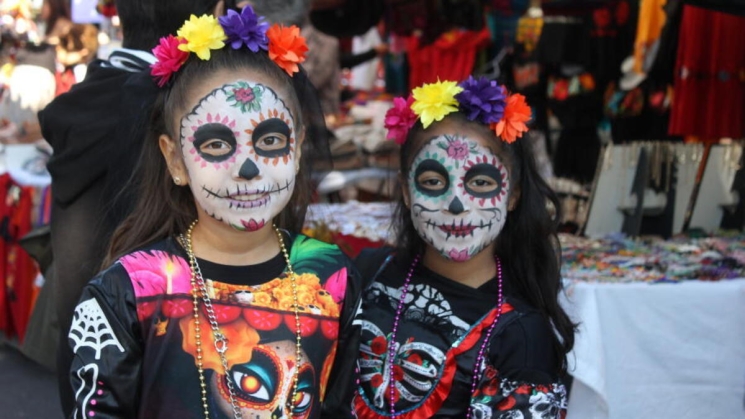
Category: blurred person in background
[96,131]
[27,74]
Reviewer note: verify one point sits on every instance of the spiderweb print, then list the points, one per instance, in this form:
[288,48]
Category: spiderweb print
[90,328]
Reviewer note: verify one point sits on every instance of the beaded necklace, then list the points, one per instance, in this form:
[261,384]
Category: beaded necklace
[392,343]
[199,288]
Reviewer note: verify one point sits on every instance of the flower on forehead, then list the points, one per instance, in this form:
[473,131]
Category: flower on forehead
[287,47]
[516,114]
[245,28]
[399,119]
[435,100]
[169,59]
[202,34]
[482,100]
[245,97]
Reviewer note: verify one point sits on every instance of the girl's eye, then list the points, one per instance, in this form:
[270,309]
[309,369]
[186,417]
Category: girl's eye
[216,147]
[271,142]
[482,184]
[432,181]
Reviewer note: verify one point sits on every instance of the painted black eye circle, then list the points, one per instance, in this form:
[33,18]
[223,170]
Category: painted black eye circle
[271,138]
[215,142]
[484,181]
[431,178]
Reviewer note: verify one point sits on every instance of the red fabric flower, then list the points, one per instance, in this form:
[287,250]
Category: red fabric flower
[507,404]
[516,114]
[399,119]
[379,345]
[286,47]
[170,59]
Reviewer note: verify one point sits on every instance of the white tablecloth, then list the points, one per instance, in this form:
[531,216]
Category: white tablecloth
[668,351]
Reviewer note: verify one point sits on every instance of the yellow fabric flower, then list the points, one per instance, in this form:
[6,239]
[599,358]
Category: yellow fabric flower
[433,101]
[202,35]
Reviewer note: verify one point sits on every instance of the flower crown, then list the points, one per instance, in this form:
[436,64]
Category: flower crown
[201,35]
[480,99]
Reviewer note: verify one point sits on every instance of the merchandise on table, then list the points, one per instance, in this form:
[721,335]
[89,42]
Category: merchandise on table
[619,259]
[353,226]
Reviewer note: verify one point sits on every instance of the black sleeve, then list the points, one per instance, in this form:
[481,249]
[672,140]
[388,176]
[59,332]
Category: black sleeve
[369,263]
[353,60]
[521,377]
[105,338]
[525,350]
[341,386]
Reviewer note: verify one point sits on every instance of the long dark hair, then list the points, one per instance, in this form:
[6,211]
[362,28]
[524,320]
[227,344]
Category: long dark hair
[528,245]
[164,209]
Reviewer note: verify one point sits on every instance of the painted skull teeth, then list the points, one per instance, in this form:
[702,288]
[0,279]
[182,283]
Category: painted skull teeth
[245,193]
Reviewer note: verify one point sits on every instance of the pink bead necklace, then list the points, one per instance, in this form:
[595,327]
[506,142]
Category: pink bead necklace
[482,350]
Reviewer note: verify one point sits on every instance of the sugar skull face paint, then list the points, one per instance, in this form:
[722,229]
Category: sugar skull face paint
[239,150]
[459,191]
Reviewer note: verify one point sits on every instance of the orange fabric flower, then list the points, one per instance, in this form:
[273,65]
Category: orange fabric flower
[516,114]
[242,339]
[286,47]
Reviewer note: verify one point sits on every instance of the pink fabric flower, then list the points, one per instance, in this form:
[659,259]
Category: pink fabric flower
[399,119]
[457,150]
[170,59]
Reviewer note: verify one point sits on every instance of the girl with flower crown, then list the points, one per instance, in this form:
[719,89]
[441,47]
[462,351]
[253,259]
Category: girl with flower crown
[462,319]
[213,306]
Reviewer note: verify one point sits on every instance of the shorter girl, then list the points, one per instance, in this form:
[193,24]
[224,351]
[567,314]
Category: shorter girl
[462,320]
[209,309]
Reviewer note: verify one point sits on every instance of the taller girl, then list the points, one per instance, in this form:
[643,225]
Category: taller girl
[210,309]
[462,320]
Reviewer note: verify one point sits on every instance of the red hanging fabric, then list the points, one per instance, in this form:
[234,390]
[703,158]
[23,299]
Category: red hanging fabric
[451,57]
[709,93]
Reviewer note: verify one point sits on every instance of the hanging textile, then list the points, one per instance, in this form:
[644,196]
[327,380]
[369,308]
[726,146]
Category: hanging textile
[451,57]
[651,21]
[709,95]
[17,268]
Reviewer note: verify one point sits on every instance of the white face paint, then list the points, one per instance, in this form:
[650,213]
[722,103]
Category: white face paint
[239,147]
[459,191]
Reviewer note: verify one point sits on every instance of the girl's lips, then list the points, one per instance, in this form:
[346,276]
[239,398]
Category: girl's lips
[458,230]
[247,197]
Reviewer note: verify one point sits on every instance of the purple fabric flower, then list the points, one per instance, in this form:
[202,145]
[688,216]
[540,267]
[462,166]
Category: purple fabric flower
[245,28]
[482,100]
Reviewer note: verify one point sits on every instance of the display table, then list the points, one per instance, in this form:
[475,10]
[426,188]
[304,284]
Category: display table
[645,350]
[651,343]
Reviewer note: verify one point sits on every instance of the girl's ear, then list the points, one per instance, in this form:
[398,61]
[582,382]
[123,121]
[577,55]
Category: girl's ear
[514,198]
[404,190]
[299,139]
[172,154]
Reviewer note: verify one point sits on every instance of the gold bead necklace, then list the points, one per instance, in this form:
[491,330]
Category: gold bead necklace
[199,289]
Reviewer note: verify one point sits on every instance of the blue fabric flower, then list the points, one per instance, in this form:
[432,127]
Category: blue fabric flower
[245,28]
[482,100]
